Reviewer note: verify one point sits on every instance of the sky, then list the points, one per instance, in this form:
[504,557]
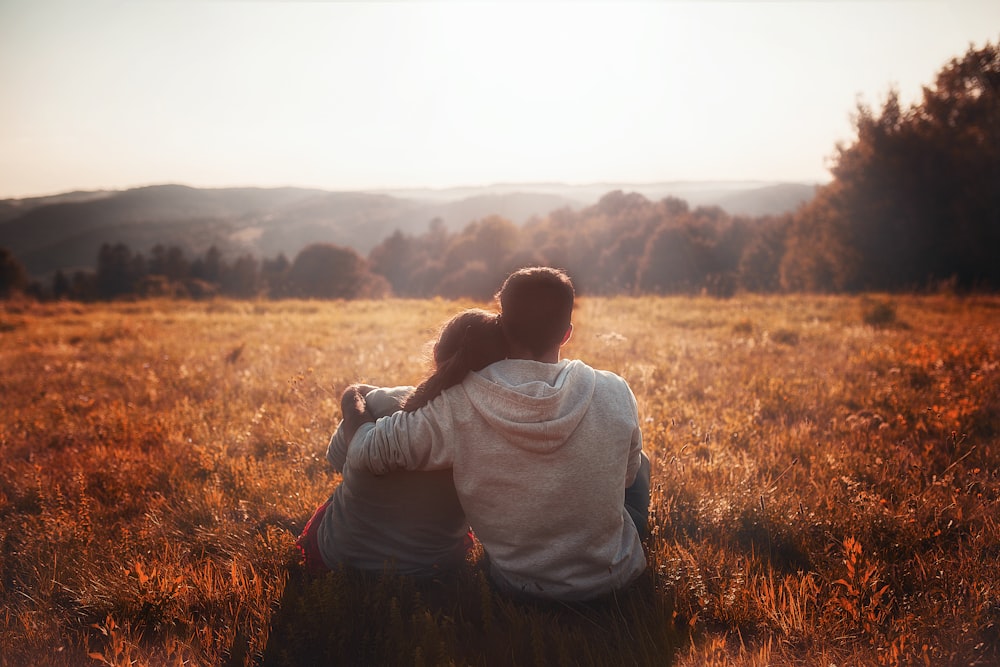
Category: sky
[353,96]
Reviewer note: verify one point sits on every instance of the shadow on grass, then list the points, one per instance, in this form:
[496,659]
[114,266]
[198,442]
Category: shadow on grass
[348,617]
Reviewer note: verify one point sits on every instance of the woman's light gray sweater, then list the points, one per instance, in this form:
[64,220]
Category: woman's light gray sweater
[411,522]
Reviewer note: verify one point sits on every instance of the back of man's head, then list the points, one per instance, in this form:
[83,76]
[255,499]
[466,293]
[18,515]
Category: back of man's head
[536,308]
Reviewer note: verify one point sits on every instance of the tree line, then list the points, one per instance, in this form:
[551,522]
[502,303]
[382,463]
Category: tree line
[319,271]
[624,244]
[914,204]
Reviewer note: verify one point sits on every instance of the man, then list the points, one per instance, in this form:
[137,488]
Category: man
[542,451]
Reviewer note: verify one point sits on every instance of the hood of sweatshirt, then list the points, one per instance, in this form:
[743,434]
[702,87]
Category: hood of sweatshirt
[534,405]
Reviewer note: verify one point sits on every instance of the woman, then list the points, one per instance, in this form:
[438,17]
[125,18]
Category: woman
[409,521]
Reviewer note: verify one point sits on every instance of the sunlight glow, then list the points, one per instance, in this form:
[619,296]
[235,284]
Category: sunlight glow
[349,96]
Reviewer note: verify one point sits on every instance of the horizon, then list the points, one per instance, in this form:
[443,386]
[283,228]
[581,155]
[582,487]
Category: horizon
[733,184]
[439,96]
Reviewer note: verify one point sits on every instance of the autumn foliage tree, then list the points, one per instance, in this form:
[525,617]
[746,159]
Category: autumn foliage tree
[328,271]
[915,199]
[13,277]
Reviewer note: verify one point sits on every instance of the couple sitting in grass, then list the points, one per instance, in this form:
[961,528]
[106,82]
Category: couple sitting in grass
[541,456]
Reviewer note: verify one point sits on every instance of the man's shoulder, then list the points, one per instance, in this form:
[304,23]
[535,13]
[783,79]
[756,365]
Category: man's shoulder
[608,383]
[603,375]
[605,382]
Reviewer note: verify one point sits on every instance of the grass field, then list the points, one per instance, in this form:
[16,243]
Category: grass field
[826,475]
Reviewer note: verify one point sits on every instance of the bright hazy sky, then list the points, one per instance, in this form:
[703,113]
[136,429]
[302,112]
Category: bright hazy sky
[347,96]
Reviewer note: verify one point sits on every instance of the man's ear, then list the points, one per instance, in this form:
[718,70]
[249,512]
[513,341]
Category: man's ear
[569,333]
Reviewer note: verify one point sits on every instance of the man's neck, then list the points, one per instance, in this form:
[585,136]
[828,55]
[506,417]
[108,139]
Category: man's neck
[549,357]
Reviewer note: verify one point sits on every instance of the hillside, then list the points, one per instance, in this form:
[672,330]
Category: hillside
[65,231]
[13,208]
[735,197]
[768,200]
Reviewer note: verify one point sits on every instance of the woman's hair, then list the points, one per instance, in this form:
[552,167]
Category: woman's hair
[470,341]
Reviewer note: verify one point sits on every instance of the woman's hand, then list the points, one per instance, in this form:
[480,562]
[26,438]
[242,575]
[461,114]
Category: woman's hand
[353,409]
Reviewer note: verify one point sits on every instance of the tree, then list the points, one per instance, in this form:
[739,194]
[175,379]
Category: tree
[239,280]
[327,271]
[414,266]
[914,199]
[690,253]
[396,258]
[83,285]
[817,257]
[176,266]
[117,273]
[274,275]
[61,287]
[479,254]
[473,280]
[758,269]
[13,276]
[668,263]
[213,267]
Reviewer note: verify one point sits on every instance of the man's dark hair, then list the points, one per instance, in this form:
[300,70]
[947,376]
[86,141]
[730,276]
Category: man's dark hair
[536,307]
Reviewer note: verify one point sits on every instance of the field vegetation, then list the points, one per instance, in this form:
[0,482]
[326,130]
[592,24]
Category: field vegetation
[826,486]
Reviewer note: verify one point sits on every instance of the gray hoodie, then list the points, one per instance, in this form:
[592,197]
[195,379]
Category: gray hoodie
[541,455]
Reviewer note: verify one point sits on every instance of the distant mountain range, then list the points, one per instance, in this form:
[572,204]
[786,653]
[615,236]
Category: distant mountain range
[65,231]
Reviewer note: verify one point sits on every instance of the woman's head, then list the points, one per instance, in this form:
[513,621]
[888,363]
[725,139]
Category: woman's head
[469,341]
[474,333]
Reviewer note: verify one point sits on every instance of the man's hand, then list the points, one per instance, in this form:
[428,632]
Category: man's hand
[352,407]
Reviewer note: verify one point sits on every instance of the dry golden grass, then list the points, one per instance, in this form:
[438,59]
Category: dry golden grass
[825,475]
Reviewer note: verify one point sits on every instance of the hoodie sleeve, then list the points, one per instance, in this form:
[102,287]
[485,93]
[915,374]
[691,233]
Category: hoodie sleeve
[635,445]
[405,441]
[380,402]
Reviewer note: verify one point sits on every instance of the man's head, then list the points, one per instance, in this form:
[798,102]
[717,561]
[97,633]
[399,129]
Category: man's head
[536,309]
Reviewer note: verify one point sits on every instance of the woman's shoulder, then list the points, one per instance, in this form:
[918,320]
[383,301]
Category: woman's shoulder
[384,401]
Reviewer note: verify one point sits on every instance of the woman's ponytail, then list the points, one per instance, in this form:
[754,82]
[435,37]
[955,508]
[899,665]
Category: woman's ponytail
[469,342]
